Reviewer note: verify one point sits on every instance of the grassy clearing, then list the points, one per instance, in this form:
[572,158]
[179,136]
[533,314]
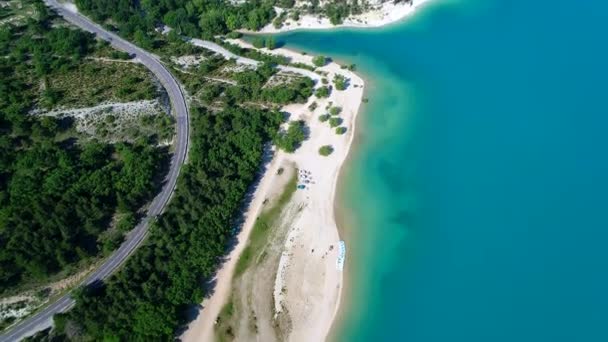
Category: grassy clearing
[254,252]
[94,82]
[224,329]
[263,226]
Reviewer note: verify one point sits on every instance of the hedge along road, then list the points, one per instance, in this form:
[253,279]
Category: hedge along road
[44,318]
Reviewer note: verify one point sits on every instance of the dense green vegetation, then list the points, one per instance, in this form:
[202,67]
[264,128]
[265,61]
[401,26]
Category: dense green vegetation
[195,18]
[340,130]
[138,19]
[145,300]
[323,92]
[57,199]
[58,193]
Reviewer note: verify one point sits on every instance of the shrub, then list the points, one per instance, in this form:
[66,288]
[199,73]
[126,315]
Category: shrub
[278,21]
[291,139]
[340,130]
[335,110]
[324,117]
[120,55]
[60,321]
[335,122]
[295,15]
[322,92]
[312,106]
[110,119]
[126,222]
[234,35]
[351,67]
[326,150]
[111,242]
[319,61]
[340,82]
[302,66]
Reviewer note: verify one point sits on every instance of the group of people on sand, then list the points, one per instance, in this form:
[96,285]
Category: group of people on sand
[305,179]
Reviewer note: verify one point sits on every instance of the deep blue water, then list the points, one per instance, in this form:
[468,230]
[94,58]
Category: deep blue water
[478,193]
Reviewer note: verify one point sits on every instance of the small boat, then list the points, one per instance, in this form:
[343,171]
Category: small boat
[341,255]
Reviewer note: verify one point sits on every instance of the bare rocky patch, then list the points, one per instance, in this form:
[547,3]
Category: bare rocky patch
[119,121]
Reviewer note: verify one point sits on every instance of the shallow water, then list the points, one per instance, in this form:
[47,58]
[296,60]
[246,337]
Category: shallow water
[478,188]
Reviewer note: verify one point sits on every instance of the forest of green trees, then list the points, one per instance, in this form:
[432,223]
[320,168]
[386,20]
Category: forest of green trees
[58,192]
[147,299]
[194,18]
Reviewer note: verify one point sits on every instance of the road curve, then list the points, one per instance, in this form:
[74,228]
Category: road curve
[43,319]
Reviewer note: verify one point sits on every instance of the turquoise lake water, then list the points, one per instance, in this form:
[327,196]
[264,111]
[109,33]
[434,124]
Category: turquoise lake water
[478,191]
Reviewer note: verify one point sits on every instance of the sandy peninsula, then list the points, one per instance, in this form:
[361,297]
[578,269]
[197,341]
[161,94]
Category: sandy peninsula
[307,268]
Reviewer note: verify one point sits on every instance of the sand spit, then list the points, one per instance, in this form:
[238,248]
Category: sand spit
[381,15]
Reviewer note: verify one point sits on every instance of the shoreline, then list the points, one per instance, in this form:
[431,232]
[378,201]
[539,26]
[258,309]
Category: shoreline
[352,101]
[385,14]
[334,304]
[343,220]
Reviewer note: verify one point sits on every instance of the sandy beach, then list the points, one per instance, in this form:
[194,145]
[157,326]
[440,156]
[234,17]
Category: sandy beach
[307,266]
[382,15]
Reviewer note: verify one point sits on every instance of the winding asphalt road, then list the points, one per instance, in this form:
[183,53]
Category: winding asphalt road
[43,319]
